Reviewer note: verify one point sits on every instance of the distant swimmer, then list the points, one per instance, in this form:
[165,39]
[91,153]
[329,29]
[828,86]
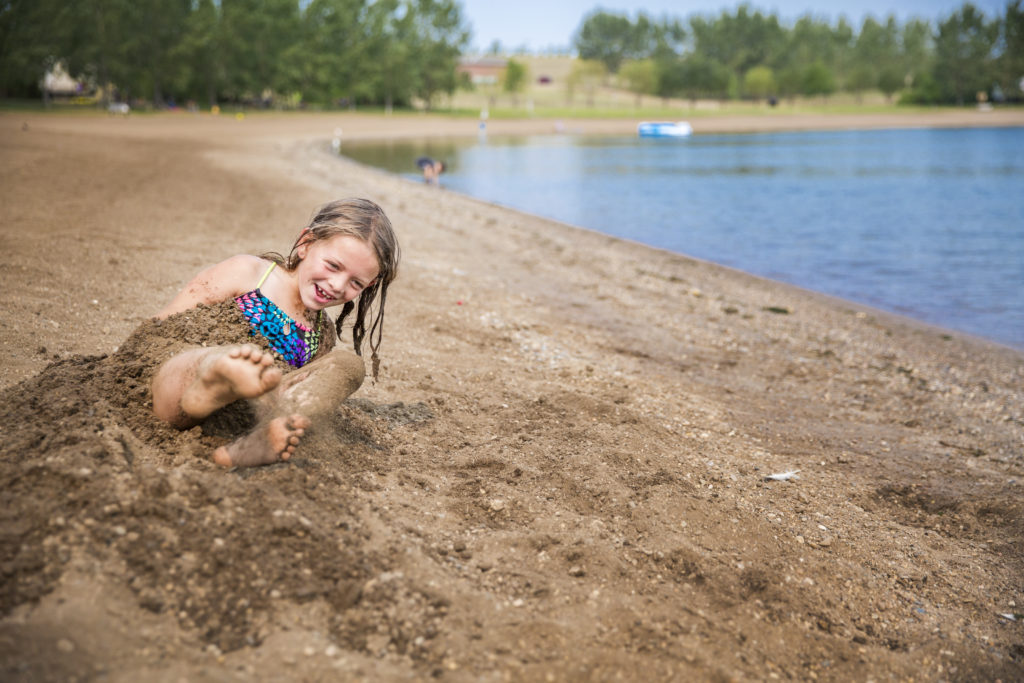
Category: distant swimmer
[431,169]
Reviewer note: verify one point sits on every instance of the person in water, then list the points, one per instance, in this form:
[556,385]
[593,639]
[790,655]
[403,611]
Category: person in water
[284,360]
[431,170]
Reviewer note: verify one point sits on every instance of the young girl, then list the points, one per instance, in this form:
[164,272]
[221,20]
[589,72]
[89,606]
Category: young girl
[431,170]
[275,308]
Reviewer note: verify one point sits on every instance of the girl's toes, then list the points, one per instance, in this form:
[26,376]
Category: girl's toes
[222,457]
[299,423]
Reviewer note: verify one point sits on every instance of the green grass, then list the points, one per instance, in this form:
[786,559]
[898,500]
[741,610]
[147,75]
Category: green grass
[608,105]
[33,105]
[673,113]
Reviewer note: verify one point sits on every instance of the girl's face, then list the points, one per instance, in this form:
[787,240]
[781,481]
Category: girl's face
[334,270]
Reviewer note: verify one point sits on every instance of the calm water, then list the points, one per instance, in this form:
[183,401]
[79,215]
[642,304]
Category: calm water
[928,223]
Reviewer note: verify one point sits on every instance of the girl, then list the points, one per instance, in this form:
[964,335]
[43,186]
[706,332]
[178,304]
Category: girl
[275,308]
[431,170]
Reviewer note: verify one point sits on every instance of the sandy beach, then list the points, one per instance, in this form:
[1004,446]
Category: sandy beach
[562,474]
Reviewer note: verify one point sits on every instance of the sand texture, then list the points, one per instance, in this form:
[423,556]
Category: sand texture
[560,475]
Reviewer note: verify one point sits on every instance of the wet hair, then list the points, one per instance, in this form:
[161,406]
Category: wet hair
[363,219]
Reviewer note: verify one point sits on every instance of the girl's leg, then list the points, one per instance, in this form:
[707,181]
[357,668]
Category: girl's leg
[304,398]
[195,383]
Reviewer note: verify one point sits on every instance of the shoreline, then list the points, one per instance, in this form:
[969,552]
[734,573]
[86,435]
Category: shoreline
[564,471]
[358,126]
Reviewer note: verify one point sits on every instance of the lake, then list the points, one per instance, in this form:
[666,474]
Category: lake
[926,223]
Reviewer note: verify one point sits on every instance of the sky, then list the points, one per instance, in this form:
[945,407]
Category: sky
[541,25]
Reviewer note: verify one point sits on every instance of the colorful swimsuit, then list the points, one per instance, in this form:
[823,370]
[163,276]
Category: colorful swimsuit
[295,343]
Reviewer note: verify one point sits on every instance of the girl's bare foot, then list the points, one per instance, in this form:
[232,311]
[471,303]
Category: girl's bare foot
[224,376]
[270,441]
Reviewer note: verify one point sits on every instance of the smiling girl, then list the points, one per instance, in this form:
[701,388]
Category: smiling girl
[283,361]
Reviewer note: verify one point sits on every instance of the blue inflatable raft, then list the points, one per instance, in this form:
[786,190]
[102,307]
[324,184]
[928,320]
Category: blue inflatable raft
[664,129]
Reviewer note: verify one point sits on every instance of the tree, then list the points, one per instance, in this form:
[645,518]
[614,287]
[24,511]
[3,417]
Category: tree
[891,80]
[389,70]
[514,79]
[693,77]
[587,74]
[789,81]
[840,53]
[438,40]
[133,44]
[1010,66]
[400,51]
[917,55]
[926,90]
[811,40]
[862,77]
[614,40]
[32,34]
[963,53]
[741,41]
[818,80]
[607,38]
[243,50]
[654,38]
[200,52]
[876,46]
[328,62]
[255,38]
[101,43]
[759,82]
[160,28]
[640,77]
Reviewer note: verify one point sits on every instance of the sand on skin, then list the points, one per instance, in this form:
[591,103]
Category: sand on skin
[560,473]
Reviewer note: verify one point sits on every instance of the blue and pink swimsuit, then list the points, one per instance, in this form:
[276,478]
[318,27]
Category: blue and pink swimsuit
[295,343]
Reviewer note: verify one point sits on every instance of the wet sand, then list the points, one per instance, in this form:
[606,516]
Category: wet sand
[561,474]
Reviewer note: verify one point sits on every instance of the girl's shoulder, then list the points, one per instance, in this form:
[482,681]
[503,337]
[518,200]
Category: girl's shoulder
[242,273]
[225,280]
[243,268]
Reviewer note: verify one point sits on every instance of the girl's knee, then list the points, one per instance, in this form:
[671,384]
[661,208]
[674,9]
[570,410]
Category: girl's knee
[346,371]
[328,380]
[348,364]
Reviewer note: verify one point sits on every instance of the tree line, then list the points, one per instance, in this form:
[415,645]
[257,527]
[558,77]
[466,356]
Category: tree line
[396,52]
[325,52]
[749,54]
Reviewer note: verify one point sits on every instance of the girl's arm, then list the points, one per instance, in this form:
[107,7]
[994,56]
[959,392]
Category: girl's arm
[220,282]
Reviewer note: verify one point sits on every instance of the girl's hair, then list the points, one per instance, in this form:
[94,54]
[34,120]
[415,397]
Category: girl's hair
[364,219]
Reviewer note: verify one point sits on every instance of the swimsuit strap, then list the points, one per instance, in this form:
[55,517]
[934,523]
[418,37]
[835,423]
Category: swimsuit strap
[319,314]
[264,278]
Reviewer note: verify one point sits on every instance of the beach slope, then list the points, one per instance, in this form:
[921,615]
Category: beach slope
[568,469]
